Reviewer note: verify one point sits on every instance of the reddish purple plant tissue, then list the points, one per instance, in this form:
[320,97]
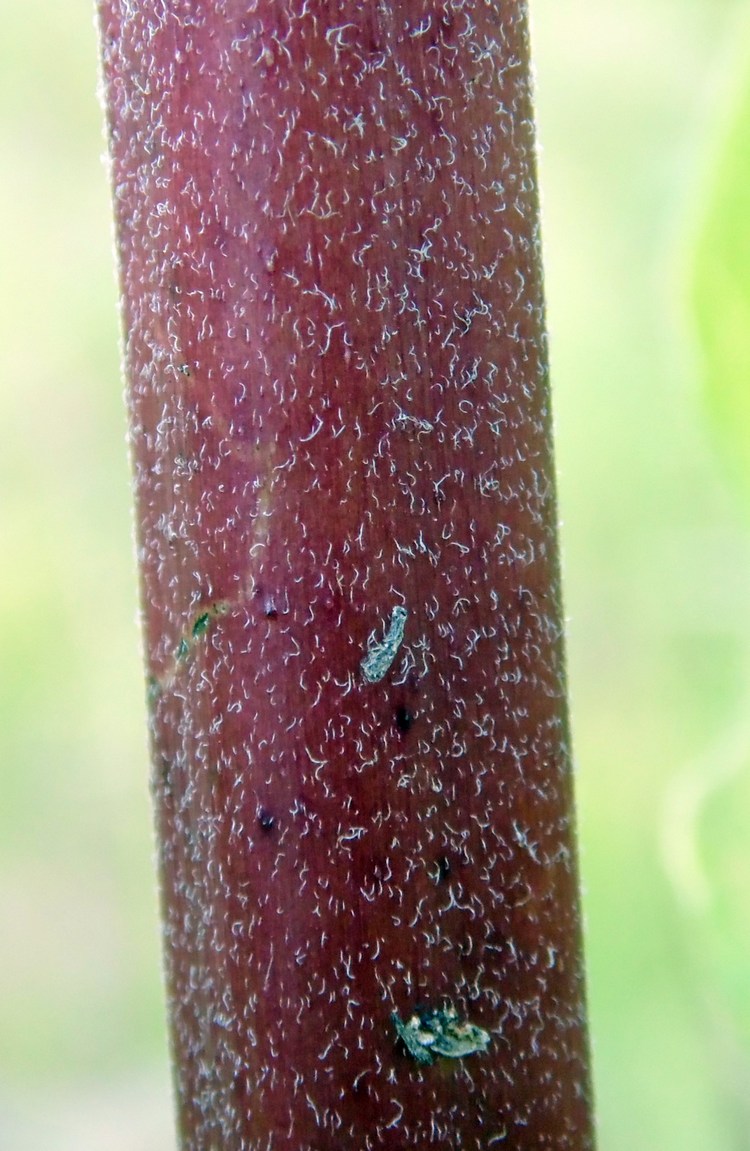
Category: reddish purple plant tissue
[328,232]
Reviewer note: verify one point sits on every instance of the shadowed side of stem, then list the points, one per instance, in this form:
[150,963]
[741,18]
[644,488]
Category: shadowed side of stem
[328,232]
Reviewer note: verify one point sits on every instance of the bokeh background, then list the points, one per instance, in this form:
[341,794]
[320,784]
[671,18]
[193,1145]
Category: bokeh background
[635,105]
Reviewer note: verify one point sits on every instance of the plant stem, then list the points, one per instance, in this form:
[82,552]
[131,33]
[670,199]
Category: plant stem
[328,234]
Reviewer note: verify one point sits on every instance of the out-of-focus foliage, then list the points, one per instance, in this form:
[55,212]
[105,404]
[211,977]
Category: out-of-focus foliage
[712,856]
[721,284]
[723,835]
[656,575]
[656,560]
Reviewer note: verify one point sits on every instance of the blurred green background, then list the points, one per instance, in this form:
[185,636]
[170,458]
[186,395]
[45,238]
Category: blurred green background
[634,101]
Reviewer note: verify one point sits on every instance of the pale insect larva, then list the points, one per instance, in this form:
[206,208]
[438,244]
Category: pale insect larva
[381,655]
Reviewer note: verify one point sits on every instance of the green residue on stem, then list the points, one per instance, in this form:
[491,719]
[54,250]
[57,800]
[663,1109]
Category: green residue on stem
[201,624]
[199,627]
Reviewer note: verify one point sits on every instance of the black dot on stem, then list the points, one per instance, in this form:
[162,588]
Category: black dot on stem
[403,718]
[266,821]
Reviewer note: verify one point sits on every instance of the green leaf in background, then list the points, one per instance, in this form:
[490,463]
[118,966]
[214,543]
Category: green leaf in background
[721,288]
[713,800]
[706,833]
[723,839]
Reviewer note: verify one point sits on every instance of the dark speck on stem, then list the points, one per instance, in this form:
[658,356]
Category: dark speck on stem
[266,821]
[404,719]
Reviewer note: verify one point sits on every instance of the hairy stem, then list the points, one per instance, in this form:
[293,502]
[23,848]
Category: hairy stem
[328,236]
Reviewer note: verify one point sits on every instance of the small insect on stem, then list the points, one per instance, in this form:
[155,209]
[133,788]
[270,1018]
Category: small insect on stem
[380,656]
[429,1033]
